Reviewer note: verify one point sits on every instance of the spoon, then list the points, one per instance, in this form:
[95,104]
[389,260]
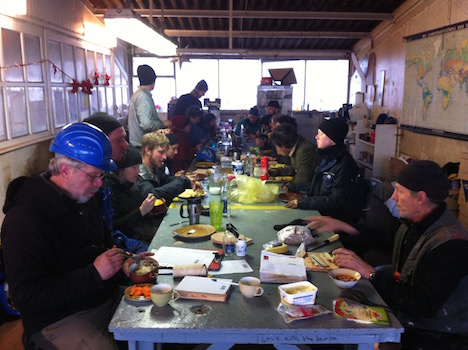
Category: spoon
[135,257]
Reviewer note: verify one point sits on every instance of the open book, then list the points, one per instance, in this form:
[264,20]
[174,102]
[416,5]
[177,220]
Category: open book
[278,268]
[203,288]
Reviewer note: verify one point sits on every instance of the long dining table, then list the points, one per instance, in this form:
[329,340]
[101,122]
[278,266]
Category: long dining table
[240,320]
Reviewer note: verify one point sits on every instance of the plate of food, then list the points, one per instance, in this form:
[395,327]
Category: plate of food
[195,232]
[189,193]
[204,165]
[138,293]
[289,196]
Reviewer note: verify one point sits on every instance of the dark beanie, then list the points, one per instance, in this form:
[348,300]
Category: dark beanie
[336,129]
[132,157]
[103,121]
[254,111]
[202,86]
[426,176]
[146,74]
[173,139]
[273,103]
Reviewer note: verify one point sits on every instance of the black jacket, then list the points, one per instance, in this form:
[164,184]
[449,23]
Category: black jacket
[126,201]
[332,188]
[160,184]
[50,243]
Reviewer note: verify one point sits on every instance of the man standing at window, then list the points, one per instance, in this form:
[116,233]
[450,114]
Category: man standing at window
[191,99]
[142,114]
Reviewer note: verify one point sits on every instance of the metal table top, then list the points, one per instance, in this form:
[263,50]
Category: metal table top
[240,320]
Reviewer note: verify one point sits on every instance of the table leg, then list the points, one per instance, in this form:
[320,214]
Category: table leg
[141,345]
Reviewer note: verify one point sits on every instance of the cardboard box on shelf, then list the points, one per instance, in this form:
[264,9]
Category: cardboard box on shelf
[463,170]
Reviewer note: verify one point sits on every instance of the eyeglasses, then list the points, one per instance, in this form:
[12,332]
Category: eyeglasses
[92,178]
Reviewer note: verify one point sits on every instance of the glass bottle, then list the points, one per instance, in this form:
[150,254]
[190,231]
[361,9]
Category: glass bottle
[225,196]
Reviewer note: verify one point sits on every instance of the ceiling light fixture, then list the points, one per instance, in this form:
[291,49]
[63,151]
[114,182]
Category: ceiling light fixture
[127,25]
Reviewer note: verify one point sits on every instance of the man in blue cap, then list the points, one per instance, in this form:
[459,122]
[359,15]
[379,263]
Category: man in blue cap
[62,268]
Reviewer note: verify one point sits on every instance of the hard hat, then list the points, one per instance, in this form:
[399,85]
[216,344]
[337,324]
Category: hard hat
[86,143]
[206,153]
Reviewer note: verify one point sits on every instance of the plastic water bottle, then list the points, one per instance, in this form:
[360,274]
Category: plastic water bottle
[248,170]
[229,243]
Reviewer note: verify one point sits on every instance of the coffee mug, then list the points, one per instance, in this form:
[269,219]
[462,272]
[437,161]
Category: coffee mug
[161,294]
[250,287]
[193,212]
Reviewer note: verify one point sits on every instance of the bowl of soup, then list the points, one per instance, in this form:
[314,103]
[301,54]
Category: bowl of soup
[345,278]
[144,272]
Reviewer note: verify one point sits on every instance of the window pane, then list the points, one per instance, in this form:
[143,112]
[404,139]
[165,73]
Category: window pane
[58,96]
[110,101]
[37,109]
[73,107]
[163,92]
[83,101]
[245,71]
[327,84]
[2,119]
[16,104]
[90,66]
[117,75]
[101,97]
[162,66]
[12,56]
[93,101]
[68,62]
[118,103]
[80,64]
[32,51]
[53,52]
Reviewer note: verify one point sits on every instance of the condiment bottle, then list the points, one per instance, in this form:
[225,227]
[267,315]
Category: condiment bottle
[241,247]
[264,168]
[229,242]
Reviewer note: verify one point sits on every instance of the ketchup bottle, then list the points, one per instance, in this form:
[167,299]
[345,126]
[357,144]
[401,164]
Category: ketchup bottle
[264,168]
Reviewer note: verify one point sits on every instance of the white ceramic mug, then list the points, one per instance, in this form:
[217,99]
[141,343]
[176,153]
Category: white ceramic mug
[250,287]
[162,294]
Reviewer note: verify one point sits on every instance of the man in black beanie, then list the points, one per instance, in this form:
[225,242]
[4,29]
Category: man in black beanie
[191,99]
[332,189]
[142,115]
[114,131]
[427,284]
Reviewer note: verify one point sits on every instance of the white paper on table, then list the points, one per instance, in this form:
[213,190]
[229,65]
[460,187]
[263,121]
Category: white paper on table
[232,266]
[175,256]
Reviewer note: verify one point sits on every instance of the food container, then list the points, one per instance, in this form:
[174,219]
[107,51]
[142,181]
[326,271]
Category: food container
[145,272]
[345,278]
[298,293]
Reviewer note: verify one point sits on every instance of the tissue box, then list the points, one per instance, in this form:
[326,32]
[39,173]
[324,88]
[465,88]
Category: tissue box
[298,293]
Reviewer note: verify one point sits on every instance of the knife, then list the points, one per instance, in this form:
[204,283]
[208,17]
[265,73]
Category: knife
[333,238]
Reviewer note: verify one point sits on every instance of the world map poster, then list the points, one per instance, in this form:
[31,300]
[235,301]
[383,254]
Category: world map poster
[436,80]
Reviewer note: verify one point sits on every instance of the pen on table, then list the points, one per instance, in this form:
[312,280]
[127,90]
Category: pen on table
[225,281]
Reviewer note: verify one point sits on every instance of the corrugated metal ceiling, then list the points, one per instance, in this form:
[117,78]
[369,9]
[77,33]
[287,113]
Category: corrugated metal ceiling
[260,28]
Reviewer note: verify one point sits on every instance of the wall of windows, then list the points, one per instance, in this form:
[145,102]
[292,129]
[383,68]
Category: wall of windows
[48,80]
[321,85]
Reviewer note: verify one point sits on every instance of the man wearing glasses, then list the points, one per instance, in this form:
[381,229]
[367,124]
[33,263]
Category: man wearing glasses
[62,268]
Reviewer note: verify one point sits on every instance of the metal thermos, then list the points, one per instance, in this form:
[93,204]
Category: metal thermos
[194,209]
